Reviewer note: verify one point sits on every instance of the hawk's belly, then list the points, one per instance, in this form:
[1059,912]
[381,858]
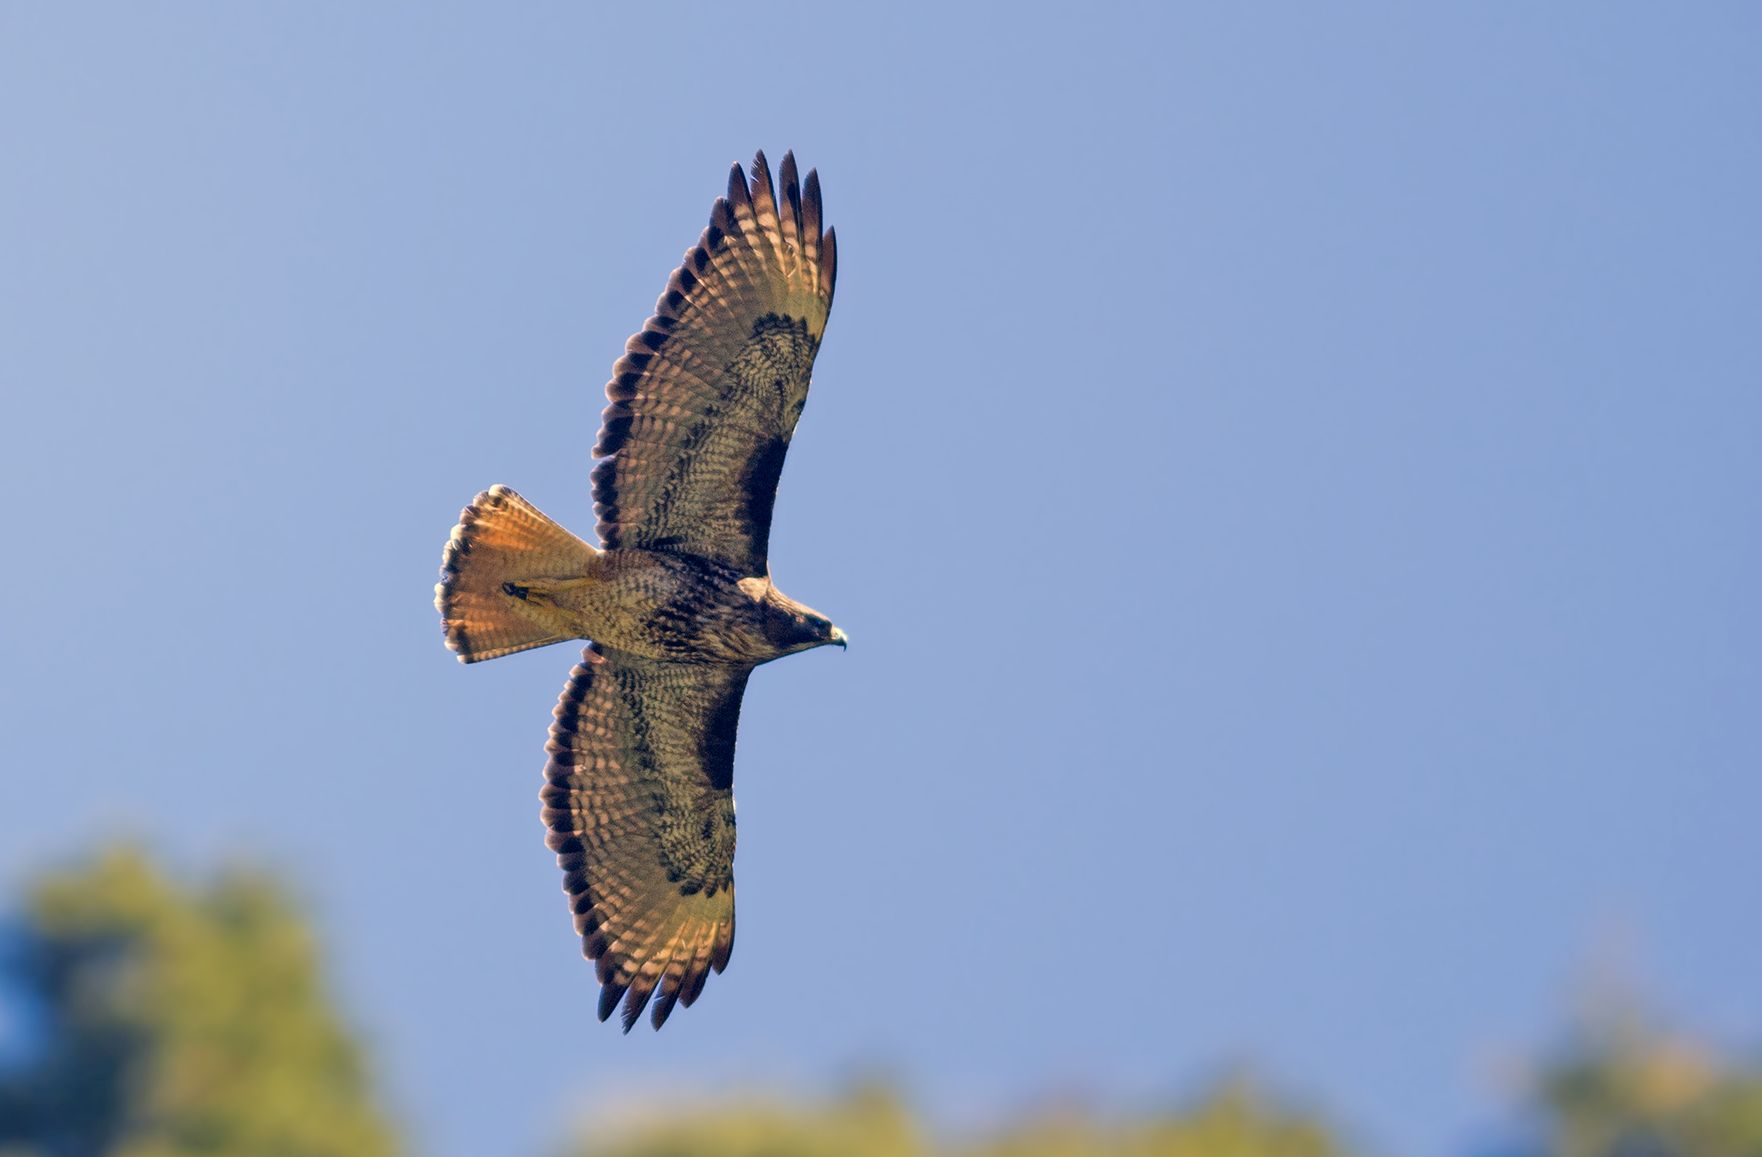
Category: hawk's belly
[667,606]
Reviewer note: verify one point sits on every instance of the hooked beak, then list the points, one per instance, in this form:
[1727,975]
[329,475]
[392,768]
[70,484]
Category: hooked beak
[839,637]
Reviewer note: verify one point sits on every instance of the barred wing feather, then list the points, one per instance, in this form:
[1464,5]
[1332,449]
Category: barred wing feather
[706,397]
[639,804]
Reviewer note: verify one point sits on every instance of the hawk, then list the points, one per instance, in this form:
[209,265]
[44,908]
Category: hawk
[677,599]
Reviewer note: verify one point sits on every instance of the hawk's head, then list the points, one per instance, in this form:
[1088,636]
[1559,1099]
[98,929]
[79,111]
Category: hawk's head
[788,625]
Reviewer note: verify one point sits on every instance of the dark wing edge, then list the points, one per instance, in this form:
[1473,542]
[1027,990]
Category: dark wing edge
[638,807]
[748,232]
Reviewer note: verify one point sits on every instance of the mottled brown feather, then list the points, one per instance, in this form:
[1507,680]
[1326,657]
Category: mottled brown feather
[639,807]
[706,397]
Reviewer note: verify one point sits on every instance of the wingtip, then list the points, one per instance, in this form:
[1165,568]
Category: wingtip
[636,1000]
[610,994]
[663,1007]
[737,188]
[763,191]
[789,184]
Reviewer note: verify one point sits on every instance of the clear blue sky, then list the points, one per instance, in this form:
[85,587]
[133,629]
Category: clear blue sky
[1293,480]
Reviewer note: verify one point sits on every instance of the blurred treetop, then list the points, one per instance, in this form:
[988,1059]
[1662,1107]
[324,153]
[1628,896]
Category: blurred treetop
[162,1021]
[166,1021]
[1232,1121]
[1624,1087]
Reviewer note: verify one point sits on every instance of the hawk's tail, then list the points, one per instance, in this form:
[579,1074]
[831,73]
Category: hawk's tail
[502,547]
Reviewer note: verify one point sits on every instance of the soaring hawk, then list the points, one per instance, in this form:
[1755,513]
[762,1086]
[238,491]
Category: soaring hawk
[678,599]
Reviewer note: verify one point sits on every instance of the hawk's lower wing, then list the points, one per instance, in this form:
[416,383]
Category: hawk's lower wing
[640,805]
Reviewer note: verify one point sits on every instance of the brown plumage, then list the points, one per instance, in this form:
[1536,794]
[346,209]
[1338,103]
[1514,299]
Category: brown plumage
[678,600]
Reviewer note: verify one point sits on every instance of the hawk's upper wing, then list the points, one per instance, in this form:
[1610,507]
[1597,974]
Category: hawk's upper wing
[706,397]
[639,801]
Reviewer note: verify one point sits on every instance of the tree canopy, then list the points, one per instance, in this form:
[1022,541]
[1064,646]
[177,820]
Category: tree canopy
[1622,1086]
[165,1021]
[151,1018]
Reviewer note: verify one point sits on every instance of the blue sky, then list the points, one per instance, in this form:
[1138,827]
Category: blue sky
[1290,476]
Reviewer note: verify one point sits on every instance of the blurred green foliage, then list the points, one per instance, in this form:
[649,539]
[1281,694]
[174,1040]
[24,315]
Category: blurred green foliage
[174,1022]
[1623,1087]
[1235,1120]
[870,1122]
[165,1021]
[1618,1088]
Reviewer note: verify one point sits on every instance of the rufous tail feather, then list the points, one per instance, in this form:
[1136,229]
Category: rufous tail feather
[503,551]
